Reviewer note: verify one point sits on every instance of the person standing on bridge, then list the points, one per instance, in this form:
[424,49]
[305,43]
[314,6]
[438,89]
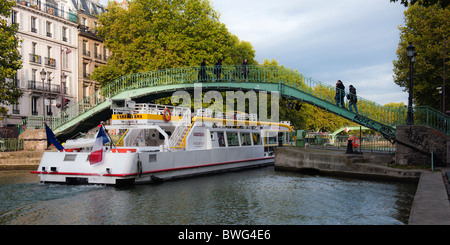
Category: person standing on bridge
[218,69]
[352,99]
[340,94]
[202,71]
[245,70]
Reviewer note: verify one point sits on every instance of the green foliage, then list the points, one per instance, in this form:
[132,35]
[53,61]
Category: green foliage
[425,3]
[159,34]
[10,60]
[427,28]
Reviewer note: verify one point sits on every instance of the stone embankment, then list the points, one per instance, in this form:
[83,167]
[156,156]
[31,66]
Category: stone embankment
[20,160]
[331,162]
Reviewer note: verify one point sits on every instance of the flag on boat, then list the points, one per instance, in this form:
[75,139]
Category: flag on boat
[51,139]
[96,155]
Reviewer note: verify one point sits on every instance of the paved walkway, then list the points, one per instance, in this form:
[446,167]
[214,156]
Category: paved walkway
[431,205]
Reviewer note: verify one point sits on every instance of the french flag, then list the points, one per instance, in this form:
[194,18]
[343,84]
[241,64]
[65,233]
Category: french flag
[96,155]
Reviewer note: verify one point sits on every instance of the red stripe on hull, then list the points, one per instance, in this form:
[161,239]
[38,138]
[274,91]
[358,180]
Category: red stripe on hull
[149,172]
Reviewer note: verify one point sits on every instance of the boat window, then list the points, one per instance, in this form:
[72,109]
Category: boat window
[256,139]
[221,139]
[233,139]
[246,140]
[271,138]
[70,157]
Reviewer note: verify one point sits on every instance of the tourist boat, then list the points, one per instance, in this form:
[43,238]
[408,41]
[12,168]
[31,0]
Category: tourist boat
[165,142]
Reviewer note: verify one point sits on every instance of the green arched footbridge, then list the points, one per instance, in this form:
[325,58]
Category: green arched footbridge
[143,87]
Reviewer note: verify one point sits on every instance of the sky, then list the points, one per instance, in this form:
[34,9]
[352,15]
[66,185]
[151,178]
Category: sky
[354,41]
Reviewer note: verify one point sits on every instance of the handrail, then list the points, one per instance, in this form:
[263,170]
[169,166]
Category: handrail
[254,73]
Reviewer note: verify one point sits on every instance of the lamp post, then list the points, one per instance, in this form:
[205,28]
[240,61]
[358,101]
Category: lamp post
[412,58]
[62,91]
[43,74]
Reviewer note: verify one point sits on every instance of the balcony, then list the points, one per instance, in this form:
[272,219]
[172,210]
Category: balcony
[49,9]
[50,62]
[97,56]
[86,53]
[44,87]
[35,58]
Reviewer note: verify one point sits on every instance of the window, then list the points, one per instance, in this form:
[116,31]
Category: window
[49,28]
[256,138]
[34,105]
[272,140]
[85,91]
[221,139]
[64,34]
[33,75]
[33,47]
[246,140]
[14,17]
[85,70]
[15,109]
[233,138]
[96,51]
[65,59]
[33,25]
[85,48]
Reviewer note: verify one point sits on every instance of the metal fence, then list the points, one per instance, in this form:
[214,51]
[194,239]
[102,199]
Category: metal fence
[11,144]
[254,73]
[366,144]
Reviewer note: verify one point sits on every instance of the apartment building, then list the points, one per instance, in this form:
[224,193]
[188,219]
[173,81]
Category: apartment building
[49,48]
[60,49]
[91,52]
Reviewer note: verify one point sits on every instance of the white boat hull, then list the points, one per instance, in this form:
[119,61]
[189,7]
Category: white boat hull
[144,167]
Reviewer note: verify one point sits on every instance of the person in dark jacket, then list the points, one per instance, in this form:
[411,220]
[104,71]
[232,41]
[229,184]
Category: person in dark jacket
[340,94]
[218,69]
[352,99]
[245,70]
[202,71]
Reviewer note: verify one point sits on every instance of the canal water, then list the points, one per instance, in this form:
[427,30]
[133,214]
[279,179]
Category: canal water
[251,197]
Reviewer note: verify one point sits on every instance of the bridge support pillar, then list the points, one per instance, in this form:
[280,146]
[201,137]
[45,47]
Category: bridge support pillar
[34,139]
[415,144]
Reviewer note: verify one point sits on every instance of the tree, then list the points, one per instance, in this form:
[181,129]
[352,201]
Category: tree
[10,60]
[158,34]
[428,29]
[425,3]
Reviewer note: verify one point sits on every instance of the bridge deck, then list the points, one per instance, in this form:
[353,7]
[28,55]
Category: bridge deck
[291,84]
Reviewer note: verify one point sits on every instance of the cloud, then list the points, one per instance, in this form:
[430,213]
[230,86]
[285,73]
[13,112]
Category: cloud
[350,40]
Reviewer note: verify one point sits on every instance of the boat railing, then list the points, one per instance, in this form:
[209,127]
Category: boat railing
[155,109]
[181,130]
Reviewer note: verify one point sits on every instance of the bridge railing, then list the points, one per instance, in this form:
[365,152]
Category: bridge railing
[254,73]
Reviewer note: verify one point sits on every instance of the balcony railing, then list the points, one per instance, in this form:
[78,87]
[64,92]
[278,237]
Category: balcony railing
[35,58]
[45,87]
[50,9]
[50,62]
[87,53]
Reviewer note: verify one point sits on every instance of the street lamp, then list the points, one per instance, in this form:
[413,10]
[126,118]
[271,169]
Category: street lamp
[412,58]
[62,91]
[43,74]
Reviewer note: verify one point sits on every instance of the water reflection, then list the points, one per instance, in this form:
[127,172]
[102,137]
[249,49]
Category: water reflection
[259,197]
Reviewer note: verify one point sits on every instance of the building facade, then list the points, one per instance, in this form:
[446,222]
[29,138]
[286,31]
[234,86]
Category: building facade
[91,51]
[59,49]
[49,48]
